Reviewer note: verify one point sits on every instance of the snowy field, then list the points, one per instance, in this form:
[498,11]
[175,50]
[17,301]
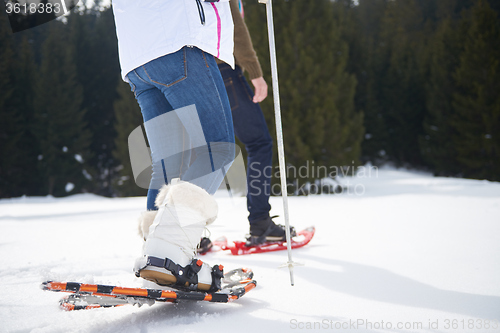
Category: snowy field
[400,252]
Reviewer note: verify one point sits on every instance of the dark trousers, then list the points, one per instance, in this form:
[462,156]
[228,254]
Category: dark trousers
[251,129]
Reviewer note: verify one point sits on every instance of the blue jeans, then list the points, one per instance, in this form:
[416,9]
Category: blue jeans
[178,81]
[251,129]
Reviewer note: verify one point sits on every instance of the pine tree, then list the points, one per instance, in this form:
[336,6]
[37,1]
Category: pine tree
[104,95]
[60,127]
[369,62]
[128,117]
[9,124]
[476,102]
[401,94]
[320,122]
[436,147]
[27,148]
[96,61]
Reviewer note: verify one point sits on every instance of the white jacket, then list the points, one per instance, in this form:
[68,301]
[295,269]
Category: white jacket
[149,29]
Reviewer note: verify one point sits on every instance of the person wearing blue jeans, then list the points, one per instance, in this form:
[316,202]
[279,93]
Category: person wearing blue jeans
[251,129]
[186,77]
[167,51]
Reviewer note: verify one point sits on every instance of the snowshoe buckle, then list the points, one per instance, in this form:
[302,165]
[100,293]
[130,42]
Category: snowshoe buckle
[187,276]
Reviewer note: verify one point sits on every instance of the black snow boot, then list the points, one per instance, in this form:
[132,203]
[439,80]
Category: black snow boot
[265,230]
[204,246]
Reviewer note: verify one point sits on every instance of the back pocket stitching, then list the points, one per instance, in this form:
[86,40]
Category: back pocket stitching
[230,84]
[179,80]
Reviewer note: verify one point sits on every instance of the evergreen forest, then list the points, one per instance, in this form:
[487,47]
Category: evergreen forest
[414,83]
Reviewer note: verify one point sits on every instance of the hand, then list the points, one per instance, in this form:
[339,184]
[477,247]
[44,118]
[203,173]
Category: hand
[260,86]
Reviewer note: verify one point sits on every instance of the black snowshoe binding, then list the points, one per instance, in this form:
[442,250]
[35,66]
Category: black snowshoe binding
[183,278]
[265,231]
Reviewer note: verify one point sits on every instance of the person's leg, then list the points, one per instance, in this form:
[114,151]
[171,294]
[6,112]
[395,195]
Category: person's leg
[185,78]
[153,105]
[189,78]
[251,129]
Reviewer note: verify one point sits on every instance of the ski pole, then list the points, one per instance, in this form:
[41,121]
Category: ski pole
[279,131]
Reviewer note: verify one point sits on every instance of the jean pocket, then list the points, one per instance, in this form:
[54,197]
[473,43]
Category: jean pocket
[167,70]
[231,93]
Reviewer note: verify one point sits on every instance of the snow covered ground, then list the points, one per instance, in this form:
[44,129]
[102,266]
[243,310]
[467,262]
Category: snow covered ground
[400,252]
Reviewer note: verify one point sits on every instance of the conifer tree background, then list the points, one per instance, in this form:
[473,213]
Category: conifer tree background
[410,82]
[10,121]
[476,100]
[128,117]
[97,67]
[59,120]
[436,147]
[320,122]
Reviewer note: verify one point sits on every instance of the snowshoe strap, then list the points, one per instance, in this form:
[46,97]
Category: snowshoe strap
[187,276]
[217,275]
